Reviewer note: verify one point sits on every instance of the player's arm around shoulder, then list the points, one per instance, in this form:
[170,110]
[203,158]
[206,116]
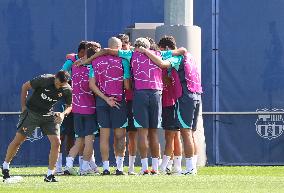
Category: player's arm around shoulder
[175,57]
[179,52]
[67,65]
[156,59]
[89,60]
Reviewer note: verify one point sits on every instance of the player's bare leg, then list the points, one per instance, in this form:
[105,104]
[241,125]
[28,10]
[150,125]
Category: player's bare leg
[88,150]
[59,170]
[177,153]
[67,141]
[93,164]
[80,157]
[53,154]
[196,149]
[104,148]
[79,144]
[120,136]
[169,147]
[132,149]
[87,155]
[143,149]
[155,149]
[11,152]
[188,149]
[14,147]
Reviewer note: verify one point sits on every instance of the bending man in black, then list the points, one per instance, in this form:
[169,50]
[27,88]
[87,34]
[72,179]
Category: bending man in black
[37,111]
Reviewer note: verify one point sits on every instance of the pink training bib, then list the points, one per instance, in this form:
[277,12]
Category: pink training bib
[109,75]
[190,74]
[147,75]
[83,100]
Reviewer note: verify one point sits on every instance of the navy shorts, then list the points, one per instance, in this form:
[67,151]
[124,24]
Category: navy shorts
[130,119]
[111,117]
[187,111]
[169,118]
[67,126]
[85,125]
[147,109]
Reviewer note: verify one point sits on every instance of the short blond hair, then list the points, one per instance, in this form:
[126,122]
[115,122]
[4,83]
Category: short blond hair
[114,43]
[142,42]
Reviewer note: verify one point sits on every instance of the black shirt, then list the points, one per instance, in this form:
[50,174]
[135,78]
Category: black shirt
[45,95]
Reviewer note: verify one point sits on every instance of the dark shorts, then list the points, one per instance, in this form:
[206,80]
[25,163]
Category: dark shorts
[169,118]
[29,121]
[111,117]
[67,126]
[130,119]
[187,112]
[147,108]
[85,125]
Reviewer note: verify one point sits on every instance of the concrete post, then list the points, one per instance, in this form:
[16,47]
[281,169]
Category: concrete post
[178,12]
[179,23]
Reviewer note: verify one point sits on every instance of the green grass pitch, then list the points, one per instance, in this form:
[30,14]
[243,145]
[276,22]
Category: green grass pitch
[209,179]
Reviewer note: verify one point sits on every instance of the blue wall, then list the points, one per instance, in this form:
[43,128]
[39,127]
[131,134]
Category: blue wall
[251,77]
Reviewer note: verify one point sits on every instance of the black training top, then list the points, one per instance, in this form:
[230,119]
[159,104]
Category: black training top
[45,94]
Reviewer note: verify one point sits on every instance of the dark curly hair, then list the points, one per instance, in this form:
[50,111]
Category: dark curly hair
[167,41]
[82,45]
